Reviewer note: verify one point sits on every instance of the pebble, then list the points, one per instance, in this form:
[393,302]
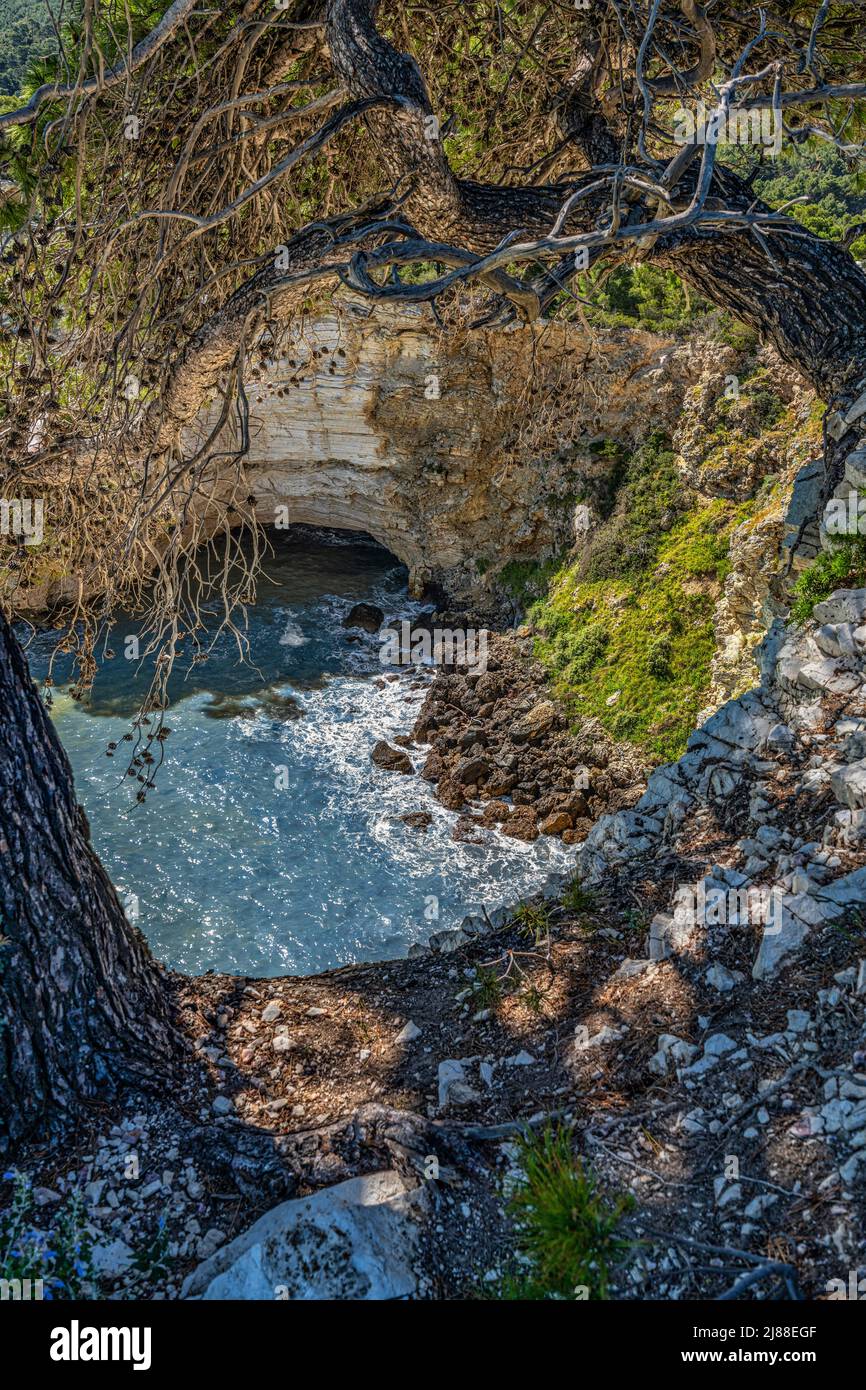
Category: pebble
[720,977]
[760,1204]
[798,1020]
[521,1059]
[209,1243]
[111,1258]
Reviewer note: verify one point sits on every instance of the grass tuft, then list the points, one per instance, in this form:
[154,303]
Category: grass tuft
[534,919]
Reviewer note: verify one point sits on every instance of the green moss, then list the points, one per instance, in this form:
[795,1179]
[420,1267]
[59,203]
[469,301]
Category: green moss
[527,580]
[625,631]
[641,640]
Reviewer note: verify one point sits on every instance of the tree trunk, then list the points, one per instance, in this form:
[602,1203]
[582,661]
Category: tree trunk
[806,295]
[84,1007]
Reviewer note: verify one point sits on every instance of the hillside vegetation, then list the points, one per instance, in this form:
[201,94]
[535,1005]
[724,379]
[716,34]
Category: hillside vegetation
[26,32]
[625,624]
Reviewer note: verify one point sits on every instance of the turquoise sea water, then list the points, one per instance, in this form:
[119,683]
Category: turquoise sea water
[271,844]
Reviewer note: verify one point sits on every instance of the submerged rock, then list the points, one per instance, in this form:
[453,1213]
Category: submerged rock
[366,616]
[273,703]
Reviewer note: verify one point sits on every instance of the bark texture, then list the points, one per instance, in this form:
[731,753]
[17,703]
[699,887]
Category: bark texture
[807,295]
[84,1007]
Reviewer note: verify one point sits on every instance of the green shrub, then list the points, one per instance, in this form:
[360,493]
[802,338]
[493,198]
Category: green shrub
[585,650]
[576,898]
[566,1228]
[658,662]
[735,334]
[768,409]
[487,989]
[649,501]
[843,567]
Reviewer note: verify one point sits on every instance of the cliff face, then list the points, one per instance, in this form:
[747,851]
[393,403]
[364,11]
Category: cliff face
[463,452]
[753,436]
[438,444]
[467,451]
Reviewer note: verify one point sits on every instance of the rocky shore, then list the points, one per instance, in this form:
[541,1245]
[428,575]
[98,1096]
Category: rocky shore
[691,1000]
[713,1064]
[501,752]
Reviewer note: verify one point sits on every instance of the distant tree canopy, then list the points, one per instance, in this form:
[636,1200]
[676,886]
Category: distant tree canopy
[26,32]
[835,191]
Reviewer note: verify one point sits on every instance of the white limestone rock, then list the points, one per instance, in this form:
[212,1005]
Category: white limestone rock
[849,785]
[355,1241]
[844,606]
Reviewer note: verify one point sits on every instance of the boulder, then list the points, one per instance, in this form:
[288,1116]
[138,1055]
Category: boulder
[800,528]
[391,759]
[849,785]
[521,824]
[357,1240]
[489,687]
[366,616]
[434,767]
[535,723]
[472,771]
[585,522]
[450,793]
[844,606]
[836,639]
[777,945]
[447,941]
[501,783]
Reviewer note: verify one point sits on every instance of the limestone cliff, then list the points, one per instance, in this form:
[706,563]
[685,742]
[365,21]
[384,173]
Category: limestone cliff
[458,451]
